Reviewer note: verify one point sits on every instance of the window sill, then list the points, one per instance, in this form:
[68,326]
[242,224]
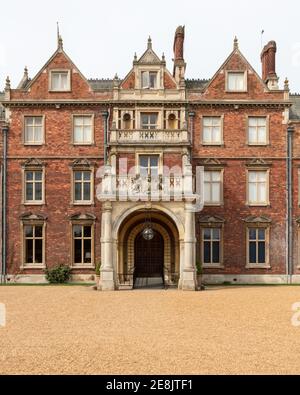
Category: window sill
[258,204]
[33,144]
[82,204]
[60,91]
[258,267]
[213,266]
[34,203]
[213,204]
[84,144]
[38,267]
[213,144]
[90,267]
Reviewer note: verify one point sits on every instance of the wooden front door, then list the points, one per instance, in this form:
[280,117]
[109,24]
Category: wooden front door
[149,257]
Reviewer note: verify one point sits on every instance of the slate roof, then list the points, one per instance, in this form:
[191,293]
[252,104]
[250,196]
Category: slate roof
[99,84]
[295,109]
[196,84]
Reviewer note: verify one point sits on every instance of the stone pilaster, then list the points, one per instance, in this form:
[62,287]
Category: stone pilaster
[107,279]
[188,281]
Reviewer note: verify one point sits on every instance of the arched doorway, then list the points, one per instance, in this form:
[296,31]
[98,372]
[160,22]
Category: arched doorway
[149,261]
[165,250]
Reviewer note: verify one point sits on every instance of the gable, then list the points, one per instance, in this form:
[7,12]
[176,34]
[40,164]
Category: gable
[38,88]
[129,81]
[256,88]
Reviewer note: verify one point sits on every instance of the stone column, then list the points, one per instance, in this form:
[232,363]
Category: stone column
[107,279]
[189,281]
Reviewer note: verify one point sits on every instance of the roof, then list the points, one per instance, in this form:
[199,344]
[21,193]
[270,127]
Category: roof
[99,84]
[196,84]
[295,109]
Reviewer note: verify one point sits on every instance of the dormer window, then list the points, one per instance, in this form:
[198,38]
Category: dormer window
[149,80]
[60,81]
[237,81]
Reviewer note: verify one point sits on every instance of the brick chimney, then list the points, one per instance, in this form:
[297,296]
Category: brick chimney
[178,48]
[268,59]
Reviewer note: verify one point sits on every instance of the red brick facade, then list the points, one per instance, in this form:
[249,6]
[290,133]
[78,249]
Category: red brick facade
[199,99]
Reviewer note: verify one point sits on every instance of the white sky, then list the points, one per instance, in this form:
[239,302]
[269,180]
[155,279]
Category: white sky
[102,36]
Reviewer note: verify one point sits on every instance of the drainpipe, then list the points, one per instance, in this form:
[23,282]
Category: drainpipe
[290,131]
[105,115]
[4,198]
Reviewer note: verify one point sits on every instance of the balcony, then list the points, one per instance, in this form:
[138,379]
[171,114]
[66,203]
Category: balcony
[149,136]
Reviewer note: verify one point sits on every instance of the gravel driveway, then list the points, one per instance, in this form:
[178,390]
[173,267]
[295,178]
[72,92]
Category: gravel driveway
[72,330]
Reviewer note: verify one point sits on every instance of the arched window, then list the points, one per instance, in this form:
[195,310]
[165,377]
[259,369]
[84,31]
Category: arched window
[172,121]
[127,121]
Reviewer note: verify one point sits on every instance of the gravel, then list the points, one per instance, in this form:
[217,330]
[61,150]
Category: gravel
[73,330]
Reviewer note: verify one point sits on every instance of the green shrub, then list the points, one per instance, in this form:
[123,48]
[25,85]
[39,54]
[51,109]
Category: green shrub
[58,275]
[98,267]
[199,268]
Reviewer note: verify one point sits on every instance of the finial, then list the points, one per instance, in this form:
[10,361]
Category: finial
[149,43]
[26,72]
[135,57]
[236,43]
[59,38]
[7,84]
[116,80]
[116,77]
[286,85]
[163,57]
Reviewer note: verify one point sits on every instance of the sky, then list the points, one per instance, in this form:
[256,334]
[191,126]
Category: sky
[101,37]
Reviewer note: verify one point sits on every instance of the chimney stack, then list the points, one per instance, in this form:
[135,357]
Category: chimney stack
[268,59]
[179,63]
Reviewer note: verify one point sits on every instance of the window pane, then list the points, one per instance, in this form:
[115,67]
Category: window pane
[216,252]
[29,134]
[87,231]
[252,252]
[78,135]
[207,137]
[144,161]
[152,78]
[252,176]
[252,135]
[55,81]
[207,252]
[39,251]
[87,134]
[87,251]
[38,191]
[252,234]
[38,175]
[38,134]
[29,175]
[216,193]
[77,251]
[87,191]
[153,119]
[216,135]
[78,189]
[28,231]
[145,79]
[216,234]
[87,175]
[77,231]
[153,161]
[261,234]
[38,231]
[262,137]
[261,252]
[78,175]
[207,191]
[207,234]
[29,191]
[262,196]
[216,176]
[29,251]
[252,193]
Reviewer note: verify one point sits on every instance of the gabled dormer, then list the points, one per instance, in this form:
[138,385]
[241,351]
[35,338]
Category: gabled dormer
[58,79]
[149,79]
[236,79]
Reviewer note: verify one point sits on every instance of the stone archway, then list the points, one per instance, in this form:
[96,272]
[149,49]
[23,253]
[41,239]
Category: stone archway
[132,227]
